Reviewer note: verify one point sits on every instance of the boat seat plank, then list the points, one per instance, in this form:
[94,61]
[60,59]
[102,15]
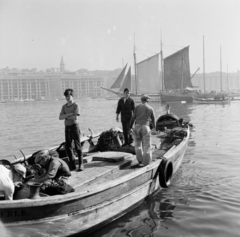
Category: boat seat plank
[130,168]
[95,169]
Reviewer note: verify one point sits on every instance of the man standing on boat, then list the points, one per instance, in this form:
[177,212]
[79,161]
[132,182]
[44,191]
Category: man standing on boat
[126,107]
[143,116]
[70,113]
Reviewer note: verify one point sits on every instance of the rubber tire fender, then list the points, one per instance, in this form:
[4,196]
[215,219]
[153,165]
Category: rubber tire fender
[165,173]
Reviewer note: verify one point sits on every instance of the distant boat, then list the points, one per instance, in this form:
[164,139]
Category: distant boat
[176,77]
[222,100]
[146,81]
[212,97]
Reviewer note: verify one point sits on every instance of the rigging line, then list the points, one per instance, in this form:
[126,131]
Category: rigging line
[145,52]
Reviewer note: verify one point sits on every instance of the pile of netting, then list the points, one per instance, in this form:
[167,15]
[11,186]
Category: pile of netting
[173,137]
[110,140]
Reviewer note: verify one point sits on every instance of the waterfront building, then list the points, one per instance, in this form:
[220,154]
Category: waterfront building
[24,87]
[230,81]
[18,85]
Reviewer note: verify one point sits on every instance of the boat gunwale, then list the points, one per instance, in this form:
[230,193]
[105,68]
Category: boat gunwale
[78,212]
[58,199]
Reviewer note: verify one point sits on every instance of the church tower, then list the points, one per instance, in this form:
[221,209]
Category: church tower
[62,65]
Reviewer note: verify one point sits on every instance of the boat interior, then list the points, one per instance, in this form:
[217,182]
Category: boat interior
[105,166]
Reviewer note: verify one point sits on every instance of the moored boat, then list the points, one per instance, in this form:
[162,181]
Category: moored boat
[174,96]
[177,78]
[199,100]
[111,184]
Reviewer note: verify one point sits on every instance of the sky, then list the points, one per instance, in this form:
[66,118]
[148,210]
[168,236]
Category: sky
[101,34]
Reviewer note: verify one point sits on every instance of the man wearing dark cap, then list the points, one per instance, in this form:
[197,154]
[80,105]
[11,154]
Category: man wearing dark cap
[143,116]
[126,107]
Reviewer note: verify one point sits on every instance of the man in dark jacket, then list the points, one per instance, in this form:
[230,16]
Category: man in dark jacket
[126,107]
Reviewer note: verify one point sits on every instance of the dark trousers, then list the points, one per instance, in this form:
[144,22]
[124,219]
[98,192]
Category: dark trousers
[126,131]
[72,133]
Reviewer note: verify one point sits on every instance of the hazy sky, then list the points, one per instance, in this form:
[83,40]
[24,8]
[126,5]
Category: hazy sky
[99,34]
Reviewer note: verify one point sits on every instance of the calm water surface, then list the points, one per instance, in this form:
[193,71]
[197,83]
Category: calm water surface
[203,199]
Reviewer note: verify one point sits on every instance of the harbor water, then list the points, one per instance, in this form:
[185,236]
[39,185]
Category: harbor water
[203,199]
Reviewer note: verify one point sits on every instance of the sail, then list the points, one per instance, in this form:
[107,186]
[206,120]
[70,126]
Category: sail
[117,84]
[127,83]
[177,70]
[148,75]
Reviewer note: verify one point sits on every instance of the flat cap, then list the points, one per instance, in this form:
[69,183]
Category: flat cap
[145,97]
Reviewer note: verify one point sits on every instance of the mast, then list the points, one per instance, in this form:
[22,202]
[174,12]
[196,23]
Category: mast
[135,68]
[203,66]
[182,75]
[221,68]
[238,79]
[227,79]
[161,52]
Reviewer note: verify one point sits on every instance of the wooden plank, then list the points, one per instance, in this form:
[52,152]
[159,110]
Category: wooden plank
[108,159]
[110,156]
[106,154]
[94,170]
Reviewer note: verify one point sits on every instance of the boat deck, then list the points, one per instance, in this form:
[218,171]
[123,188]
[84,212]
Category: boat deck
[98,169]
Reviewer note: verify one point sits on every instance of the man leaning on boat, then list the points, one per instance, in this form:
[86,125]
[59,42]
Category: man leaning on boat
[56,175]
[126,107]
[143,116]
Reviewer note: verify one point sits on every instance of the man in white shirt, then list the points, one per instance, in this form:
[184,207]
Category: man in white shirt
[10,178]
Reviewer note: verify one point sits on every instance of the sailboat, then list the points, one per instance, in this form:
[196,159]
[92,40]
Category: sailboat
[123,81]
[210,97]
[146,79]
[177,84]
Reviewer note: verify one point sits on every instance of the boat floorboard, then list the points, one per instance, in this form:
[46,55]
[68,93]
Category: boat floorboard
[99,172]
[96,169]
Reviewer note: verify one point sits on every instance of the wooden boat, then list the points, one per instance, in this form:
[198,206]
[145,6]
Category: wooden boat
[199,100]
[174,96]
[111,184]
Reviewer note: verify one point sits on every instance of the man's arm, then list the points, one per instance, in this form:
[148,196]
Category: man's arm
[132,120]
[132,106]
[41,180]
[50,174]
[153,119]
[73,117]
[64,116]
[118,110]
[75,113]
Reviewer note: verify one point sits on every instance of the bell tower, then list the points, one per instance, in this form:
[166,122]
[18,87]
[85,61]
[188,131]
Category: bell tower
[62,65]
